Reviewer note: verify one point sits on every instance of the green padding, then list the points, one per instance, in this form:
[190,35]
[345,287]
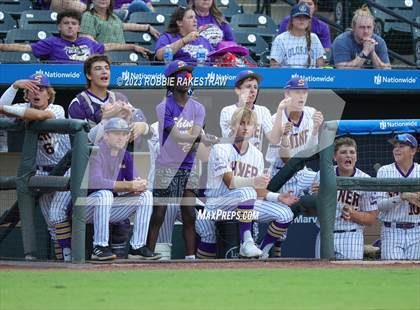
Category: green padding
[7,183]
[11,125]
[49,183]
[59,126]
[379,185]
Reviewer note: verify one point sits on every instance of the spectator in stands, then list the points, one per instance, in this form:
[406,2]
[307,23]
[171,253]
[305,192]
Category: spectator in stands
[124,8]
[62,5]
[182,36]
[318,27]
[297,47]
[68,46]
[211,23]
[230,54]
[360,47]
[101,24]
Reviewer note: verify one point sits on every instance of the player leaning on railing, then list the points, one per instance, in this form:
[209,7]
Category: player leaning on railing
[39,97]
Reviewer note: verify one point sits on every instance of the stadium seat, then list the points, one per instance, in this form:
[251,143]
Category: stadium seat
[39,20]
[127,58]
[229,8]
[25,35]
[260,24]
[17,57]
[140,38]
[166,7]
[6,23]
[254,42]
[15,7]
[157,20]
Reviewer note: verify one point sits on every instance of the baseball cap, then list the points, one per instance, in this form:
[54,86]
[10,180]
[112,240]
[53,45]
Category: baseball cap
[300,9]
[246,74]
[404,138]
[229,47]
[177,66]
[116,124]
[297,83]
[41,78]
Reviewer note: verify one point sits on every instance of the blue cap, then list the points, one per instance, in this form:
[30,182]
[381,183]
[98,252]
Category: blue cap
[300,9]
[116,124]
[405,138]
[297,83]
[176,66]
[41,78]
[246,74]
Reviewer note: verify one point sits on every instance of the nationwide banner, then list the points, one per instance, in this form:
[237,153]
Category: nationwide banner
[213,77]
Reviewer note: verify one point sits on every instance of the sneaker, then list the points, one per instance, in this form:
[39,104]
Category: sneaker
[249,249]
[143,253]
[102,253]
[67,255]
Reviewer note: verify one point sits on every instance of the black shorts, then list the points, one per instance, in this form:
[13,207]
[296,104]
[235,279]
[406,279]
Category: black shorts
[170,184]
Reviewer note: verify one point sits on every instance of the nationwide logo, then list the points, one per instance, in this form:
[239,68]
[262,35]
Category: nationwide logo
[395,124]
[381,79]
[313,78]
[59,75]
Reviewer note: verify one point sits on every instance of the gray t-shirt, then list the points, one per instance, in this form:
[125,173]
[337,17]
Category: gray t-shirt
[345,49]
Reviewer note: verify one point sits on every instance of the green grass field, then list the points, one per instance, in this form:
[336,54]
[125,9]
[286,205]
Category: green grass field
[357,288]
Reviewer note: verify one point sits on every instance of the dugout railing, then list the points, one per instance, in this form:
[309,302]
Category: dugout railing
[27,184]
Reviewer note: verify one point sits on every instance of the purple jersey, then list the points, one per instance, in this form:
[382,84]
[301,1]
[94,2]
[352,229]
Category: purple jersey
[214,32]
[169,113]
[58,50]
[105,169]
[187,53]
[317,26]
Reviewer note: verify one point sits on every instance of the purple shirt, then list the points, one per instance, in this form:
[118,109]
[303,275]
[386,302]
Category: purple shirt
[215,32]
[105,169]
[177,155]
[58,50]
[189,51]
[318,27]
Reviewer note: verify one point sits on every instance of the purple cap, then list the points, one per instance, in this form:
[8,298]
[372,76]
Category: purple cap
[176,66]
[300,10]
[297,83]
[41,78]
[229,46]
[116,124]
[404,138]
[246,74]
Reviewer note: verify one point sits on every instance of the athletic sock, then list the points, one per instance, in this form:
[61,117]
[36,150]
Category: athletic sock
[63,234]
[275,231]
[206,250]
[245,217]
[58,251]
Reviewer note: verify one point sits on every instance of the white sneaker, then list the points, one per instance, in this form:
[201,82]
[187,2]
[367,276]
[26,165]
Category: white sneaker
[249,249]
[67,255]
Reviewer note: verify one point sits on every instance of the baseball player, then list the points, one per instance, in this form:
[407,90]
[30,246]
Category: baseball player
[235,179]
[181,120]
[355,209]
[400,212]
[39,96]
[247,88]
[98,103]
[116,192]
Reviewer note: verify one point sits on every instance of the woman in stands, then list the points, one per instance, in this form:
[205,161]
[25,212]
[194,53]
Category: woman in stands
[211,23]
[298,47]
[183,37]
[101,24]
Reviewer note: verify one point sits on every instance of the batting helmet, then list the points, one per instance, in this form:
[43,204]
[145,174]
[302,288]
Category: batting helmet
[116,124]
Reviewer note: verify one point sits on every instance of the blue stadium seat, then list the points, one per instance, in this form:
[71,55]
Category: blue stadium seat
[254,42]
[17,57]
[260,24]
[127,58]
[25,35]
[157,20]
[166,7]
[15,7]
[6,23]
[39,20]
[140,38]
[229,8]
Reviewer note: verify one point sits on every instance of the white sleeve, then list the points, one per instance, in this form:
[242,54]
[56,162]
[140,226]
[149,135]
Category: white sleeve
[277,50]
[225,123]
[267,122]
[8,96]
[57,110]
[219,161]
[305,178]
[317,47]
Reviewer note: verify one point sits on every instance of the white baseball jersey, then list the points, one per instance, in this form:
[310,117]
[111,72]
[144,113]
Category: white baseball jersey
[264,125]
[226,158]
[405,211]
[300,183]
[301,137]
[291,51]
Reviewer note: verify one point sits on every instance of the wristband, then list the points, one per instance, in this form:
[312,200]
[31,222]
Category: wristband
[273,197]
[17,111]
